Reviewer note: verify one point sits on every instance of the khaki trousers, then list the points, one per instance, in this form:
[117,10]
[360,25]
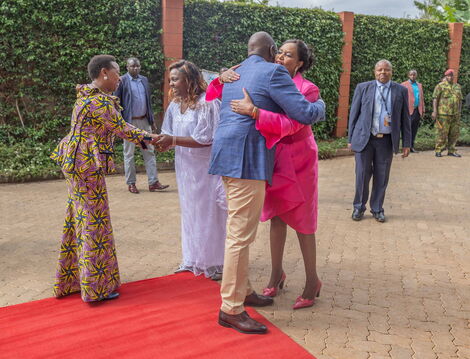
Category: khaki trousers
[245,200]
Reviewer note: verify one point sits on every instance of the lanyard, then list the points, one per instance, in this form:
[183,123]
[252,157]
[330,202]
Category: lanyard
[384,101]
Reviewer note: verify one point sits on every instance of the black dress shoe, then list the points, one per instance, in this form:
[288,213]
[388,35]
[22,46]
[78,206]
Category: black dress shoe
[241,323]
[454,154]
[357,215]
[412,150]
[110,296]
[257,300]
[216,276]
[379,216]
[438,154]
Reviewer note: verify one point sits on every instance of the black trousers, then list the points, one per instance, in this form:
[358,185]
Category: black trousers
[375,160]
[415,120]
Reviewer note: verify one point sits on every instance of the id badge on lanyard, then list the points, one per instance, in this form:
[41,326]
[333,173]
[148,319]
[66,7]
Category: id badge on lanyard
[388,116]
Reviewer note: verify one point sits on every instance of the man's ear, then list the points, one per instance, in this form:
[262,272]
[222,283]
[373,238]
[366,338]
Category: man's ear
[273,50]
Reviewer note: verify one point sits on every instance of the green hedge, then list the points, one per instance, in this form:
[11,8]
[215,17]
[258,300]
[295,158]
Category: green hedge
[216,34]
[407,44]
[464,73]
[45,46]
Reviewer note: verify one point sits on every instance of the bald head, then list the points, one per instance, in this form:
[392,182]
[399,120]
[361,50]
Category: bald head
[262,44]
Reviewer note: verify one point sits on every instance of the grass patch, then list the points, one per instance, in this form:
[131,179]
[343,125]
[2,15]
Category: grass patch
[28,160]
[327,149]
[426,137]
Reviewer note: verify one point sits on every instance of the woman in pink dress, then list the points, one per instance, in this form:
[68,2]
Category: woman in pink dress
[292,199]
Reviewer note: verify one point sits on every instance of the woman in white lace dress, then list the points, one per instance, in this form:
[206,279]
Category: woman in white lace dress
[189,126]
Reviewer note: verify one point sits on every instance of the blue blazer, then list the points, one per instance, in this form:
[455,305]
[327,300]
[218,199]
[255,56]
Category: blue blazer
[125,97]
[362,111]
[239,150]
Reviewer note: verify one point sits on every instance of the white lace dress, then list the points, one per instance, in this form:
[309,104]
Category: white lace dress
[202,196]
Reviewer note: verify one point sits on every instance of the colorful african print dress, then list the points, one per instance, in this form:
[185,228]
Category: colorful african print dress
[87,259]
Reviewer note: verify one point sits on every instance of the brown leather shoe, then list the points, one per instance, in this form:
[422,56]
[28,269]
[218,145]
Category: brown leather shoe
[257,300]
[133,188]
[242,323]
[157,186]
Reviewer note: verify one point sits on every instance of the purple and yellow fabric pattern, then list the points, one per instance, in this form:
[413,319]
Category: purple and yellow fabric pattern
[87,259]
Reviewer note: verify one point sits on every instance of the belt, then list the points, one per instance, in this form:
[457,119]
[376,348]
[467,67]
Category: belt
[296,137]
[380,135]
[140,117]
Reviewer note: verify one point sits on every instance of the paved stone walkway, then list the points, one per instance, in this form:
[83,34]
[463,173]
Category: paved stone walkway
[395,290]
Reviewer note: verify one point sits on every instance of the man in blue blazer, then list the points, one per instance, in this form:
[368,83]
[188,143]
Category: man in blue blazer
[134,97]
[378,115]
[239,154]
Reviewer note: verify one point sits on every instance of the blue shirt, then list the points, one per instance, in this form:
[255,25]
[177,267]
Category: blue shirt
[415,92]
[382,108]
[139,105]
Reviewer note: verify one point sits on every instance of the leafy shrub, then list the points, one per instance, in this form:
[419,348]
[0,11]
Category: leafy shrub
[464,72]
[407,44]
[216,34]
[46,45]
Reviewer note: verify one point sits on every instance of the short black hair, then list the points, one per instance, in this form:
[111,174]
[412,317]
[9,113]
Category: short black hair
[304,52]
[134,59]
[99,62]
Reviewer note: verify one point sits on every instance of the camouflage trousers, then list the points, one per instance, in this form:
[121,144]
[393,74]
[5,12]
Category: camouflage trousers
[447,133]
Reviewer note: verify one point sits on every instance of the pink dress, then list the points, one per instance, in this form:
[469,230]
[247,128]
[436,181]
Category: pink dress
[293,195]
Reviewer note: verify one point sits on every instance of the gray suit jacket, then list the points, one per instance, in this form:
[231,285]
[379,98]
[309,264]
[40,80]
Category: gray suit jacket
[362,111]
[125,97]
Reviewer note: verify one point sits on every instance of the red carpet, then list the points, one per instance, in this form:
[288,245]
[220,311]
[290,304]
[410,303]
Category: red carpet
[169,317]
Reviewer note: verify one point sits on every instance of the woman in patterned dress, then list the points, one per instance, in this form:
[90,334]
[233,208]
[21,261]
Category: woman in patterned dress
[87,259]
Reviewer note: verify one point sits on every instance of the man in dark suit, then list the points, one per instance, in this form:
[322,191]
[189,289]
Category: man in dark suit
[239,154]
[134,97]
[378,115]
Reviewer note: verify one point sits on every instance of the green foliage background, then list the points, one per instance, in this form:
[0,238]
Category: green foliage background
[464,73]
[216,34]
[45,46]
[407,44]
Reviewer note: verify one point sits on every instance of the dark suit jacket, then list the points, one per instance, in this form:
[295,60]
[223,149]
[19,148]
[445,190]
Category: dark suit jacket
[125,97]
[362,111]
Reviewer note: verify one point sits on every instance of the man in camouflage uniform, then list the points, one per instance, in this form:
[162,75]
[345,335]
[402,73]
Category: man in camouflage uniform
[447,104]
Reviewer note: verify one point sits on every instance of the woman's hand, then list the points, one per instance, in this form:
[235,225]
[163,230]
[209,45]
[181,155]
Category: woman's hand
[244,106]
[153,141]
[230,75]
[163,142]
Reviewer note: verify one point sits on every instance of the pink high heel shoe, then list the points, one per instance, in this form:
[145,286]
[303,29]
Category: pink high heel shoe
[305,303]
[272,292]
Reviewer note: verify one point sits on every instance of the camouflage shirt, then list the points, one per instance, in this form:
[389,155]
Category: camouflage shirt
[449,96]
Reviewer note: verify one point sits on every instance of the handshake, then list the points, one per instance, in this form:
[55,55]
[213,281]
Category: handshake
[161,142]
